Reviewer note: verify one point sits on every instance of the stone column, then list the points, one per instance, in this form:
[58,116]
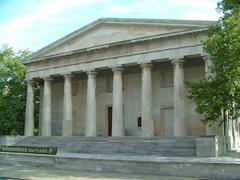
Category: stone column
[41,109]
[179,98]
[91,125]
[147,122]
[47,112]
[29,114]
[117,115]
[208,74]
[67,106]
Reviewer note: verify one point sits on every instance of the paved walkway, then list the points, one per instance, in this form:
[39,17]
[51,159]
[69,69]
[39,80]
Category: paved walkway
[58,174]
[150,158]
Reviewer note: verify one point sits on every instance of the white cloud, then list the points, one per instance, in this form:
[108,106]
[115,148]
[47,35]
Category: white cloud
[198,10]
[28,27]
[184,9]
[135,6]
[120,9]
[206,4]
[46,13]
[191,15]
[47,18]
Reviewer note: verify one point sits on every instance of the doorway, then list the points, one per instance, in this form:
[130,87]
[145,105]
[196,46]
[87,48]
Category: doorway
[168,122]
[109,118]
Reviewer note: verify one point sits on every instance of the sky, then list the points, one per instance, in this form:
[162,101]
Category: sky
[33,24]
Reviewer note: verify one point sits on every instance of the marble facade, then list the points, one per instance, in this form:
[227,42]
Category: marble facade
[120,77]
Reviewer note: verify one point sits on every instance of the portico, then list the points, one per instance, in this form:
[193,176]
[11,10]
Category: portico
[141,78]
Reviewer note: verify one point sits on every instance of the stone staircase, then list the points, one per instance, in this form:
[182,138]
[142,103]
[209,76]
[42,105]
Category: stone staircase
[170,156]
[159,146]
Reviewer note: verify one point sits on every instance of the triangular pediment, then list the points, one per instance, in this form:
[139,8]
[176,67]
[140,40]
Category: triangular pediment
[107,31]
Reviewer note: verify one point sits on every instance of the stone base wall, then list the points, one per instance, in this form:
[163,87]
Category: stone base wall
[11,140]
[209,146]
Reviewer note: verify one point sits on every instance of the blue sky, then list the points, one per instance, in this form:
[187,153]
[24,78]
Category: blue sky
[33,24]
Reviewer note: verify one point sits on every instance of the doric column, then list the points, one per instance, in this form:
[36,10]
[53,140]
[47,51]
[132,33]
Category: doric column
[29,114]
[91,125]
[47,112]
[41,86]
[208,74]
[117,115]
[147,122]
[179,98]
[67,106]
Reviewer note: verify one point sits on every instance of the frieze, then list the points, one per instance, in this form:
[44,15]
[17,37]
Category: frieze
[118,50]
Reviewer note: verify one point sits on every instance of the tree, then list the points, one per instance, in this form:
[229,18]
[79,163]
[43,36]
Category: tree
[218,97]
[12,91]
[228,7]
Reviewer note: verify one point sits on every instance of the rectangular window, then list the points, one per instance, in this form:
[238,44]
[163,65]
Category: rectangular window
[139,121]
[108,84]
[74,88]
[167,79]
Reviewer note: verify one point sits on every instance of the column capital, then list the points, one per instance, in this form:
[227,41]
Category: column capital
[117,69]
[67,75]
[146,65]
[177,61]
[206,57]
[47,78]
[91,72]
[30,81]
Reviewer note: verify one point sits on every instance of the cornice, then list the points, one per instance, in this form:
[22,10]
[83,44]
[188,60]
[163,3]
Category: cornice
[119,43]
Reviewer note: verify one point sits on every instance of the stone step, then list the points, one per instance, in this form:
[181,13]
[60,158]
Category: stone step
[156,142]
[140,144]
[161,146]
[158,152]
[106,138]
[129,145]
[210,168]
[125,139]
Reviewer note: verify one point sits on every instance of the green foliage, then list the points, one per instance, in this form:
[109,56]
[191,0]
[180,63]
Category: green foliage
[218,97]
[12,91]
[228,7]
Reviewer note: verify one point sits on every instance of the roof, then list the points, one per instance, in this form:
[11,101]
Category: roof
[171,22]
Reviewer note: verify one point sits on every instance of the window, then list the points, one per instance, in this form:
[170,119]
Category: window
[108,84]
[74,88]
[167,79]
[139,121]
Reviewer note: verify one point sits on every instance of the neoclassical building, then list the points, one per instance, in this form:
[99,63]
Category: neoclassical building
[120,77]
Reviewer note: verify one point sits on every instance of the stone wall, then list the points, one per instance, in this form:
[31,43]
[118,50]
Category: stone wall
[162,100]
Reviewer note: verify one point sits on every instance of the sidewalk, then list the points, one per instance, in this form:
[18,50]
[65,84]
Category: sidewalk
[58,174]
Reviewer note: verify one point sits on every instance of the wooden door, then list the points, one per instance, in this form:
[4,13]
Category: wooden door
[109,121]
[168,121]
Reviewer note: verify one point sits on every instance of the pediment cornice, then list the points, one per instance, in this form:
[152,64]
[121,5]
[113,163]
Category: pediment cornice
[191,24]
[90,50]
